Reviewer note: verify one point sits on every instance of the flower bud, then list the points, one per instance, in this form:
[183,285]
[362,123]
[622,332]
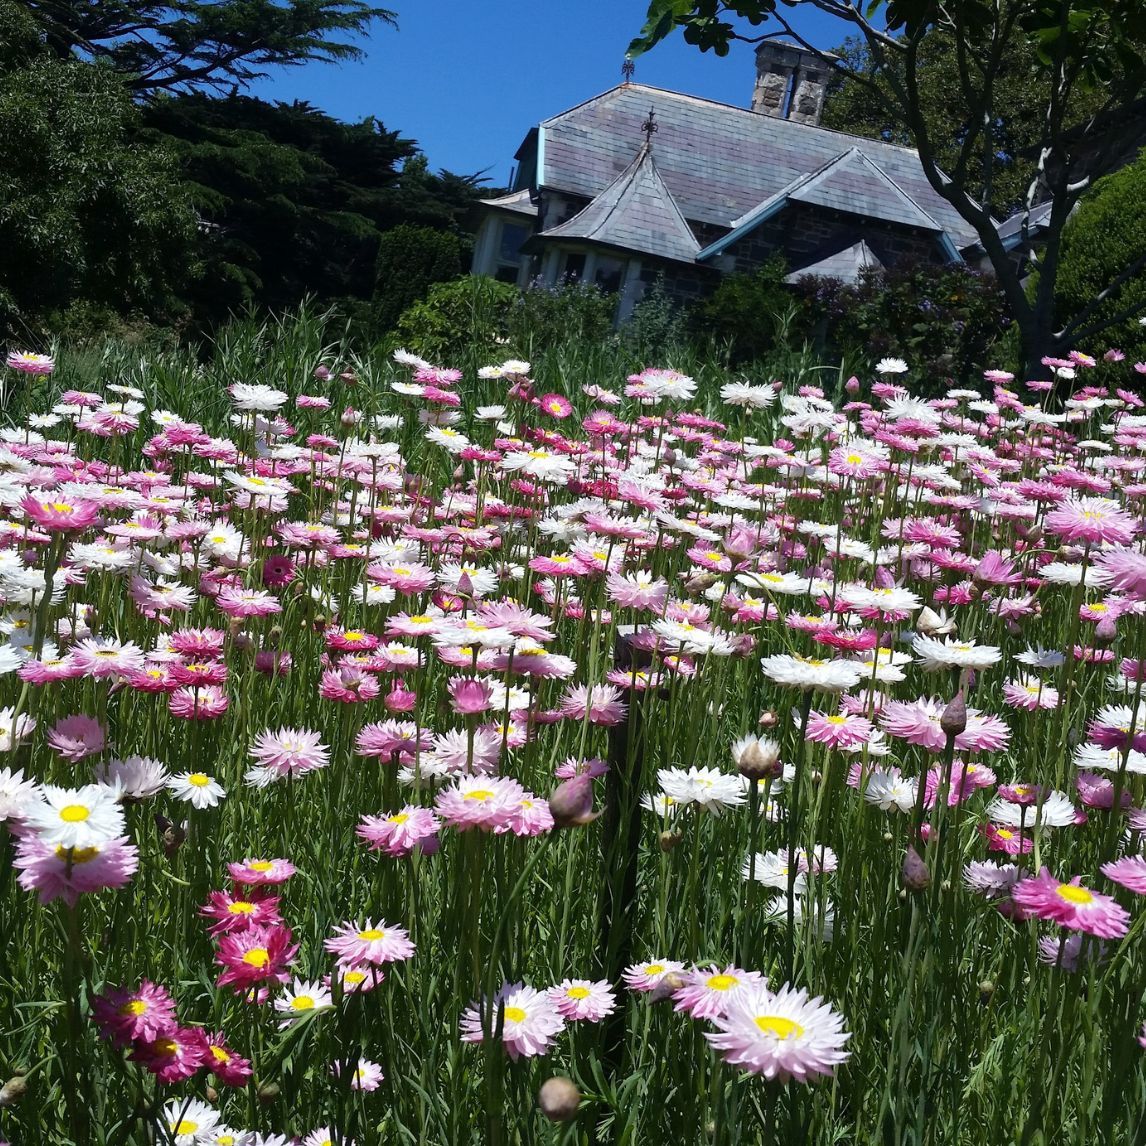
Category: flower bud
[768,719]
[1105,631]
[986,990]
[558,1099]
[669,840]
[852,385]
[759,759]
[13,1090]
[914,875]
[954,718]
[571,803]
[669,984]
[268,1092]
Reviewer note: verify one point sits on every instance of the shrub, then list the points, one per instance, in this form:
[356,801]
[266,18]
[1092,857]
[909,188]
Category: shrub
[464,319]
[945,319]
[410,260]
[657,325]
[545,316]
[746,311]
[1101,241]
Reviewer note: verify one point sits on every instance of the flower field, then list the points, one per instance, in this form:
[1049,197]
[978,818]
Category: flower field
[401,754]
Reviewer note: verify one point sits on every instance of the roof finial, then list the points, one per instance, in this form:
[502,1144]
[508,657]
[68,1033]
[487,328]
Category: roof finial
[627,70]
[649,127]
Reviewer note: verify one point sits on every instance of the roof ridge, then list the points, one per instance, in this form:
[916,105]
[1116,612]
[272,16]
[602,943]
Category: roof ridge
[731,107]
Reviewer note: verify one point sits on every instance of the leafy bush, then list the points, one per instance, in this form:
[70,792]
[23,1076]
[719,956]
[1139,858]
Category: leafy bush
[657,325]
[467,319]
[942,318]
[1105,236]
[544,316]
[410,260]
[746,311]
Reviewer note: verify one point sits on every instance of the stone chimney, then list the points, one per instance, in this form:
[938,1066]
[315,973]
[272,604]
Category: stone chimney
[790,82]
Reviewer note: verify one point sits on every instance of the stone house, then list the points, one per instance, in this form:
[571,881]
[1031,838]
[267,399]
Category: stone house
[639,183]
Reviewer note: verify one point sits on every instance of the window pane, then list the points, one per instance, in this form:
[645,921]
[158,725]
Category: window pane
[574,266]
[610,272]
[512,236]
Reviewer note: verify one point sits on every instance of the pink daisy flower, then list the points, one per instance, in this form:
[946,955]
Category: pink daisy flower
[839,729]
[106,658]
[255,872]
[1071,905]
[706,992]
[1007,841]
[583,999]
[254,956]
[485,802]
[77,736]
[229,1068]
[528,1018]
[1129,872]
[399,834]
[781,1035]
[60,516]
[124,1016]
[289,752]
[198,703]
[1091,520]
[647,977]
[248,602]
[600,702]
[174,1056]
[238,912]
[369,945]
[348,685]
[60,873]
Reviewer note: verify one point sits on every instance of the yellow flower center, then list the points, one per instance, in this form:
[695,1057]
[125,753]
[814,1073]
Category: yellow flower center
[837,719]
[372,934]
[77,855]
[654,968]
[778,1026]
[1072,893]
[241,907]
[199,779]
[74,813]
[185,1126]
[354,977]
[353,636]
[578,992]
[855,459]
[260,865]
[721,982]
[479,794]
[1003,834]
[514,1014]
[61,506]
[398,818]
[219,1055]
[257,957]
[133,1007]
[302,1003]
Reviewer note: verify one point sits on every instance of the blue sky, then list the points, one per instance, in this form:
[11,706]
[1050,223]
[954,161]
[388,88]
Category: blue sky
[468,78]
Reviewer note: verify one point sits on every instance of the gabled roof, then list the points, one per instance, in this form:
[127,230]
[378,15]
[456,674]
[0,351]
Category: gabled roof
[846,265]
[848,182]
[635,212]
[719,162]
[1011,230]
[518,202]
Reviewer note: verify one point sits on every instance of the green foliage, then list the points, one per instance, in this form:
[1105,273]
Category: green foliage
[464,319]
[293,201]
[1104,240]
[189,45]
[542,316]
[941,319]
[746,311]
[657,325]
[999,171]
[87,214]
[410,260]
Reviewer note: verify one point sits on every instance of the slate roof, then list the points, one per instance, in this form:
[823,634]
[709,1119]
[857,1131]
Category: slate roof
[845,265]
[635,212]
[719,162]
[518,201]
[1011,231]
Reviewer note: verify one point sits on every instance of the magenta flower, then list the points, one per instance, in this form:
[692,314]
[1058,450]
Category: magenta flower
[254,956]
[60,516]
[229,1068]
[28,363]
[1091,520]
[124,1016]
[706,991]
[1071,905]
[1129,872]
[600,702]
[205,703]
[485,802]
[838,729]
[288,752]
[238,912]
[174,1056]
